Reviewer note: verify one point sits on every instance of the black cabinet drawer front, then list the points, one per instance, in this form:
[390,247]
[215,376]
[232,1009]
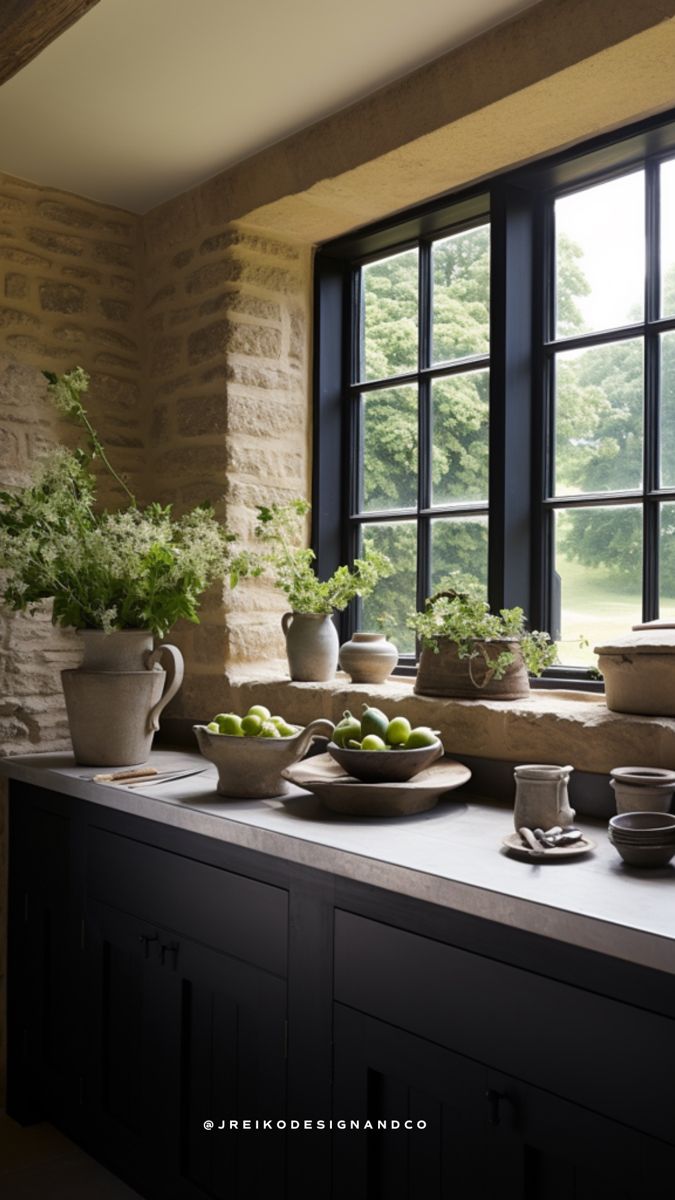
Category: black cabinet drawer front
[232,913]
[601,1053]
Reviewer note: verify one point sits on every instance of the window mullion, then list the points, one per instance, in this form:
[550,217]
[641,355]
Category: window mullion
[510,398]
[651,467]
[424,425]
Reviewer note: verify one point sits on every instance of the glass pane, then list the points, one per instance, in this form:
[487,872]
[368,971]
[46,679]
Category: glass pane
[460,407]
[459,547]
[598,418]
[667,563]
[600,256]
[668,238]
[668,410]
[461,308]
[390,448]
[389,316]
[394,598]
[598,570]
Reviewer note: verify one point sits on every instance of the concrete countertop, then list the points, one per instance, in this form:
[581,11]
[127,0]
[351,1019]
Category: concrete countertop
[450,856]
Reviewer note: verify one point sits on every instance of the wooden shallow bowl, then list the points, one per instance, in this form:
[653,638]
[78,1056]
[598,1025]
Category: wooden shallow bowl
[385,766]
[327,781]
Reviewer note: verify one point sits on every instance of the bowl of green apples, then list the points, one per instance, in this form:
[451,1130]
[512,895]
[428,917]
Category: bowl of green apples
[252,751]
[375,749]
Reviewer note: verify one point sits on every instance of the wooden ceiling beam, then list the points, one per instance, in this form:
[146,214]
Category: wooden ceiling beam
[28,26]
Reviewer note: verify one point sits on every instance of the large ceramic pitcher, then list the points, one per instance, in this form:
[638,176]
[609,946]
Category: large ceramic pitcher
[541,796]
[114,699]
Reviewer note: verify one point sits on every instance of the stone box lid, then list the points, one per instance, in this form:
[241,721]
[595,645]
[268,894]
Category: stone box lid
[653,637]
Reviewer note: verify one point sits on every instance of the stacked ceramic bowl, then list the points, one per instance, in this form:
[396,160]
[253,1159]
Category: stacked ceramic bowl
[642,789]
[643,839]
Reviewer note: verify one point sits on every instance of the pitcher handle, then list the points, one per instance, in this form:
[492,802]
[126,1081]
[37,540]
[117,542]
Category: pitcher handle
[285,622]
[174,677]
[321,727]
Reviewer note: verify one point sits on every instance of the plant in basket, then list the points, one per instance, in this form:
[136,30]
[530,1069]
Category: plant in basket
[469,652]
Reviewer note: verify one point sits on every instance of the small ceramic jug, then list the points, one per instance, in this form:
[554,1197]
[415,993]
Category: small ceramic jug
[541,796]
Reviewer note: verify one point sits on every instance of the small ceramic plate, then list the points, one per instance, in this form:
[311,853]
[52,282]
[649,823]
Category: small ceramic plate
[339,791]
[514,845]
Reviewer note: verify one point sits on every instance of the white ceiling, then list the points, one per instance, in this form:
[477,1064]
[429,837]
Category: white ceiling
[141,99]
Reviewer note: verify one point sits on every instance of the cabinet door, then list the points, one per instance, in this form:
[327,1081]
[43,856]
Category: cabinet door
[384,1074]
[234,1070]
[133,1076]
[44,1015]
[183,1035]
[544,1148]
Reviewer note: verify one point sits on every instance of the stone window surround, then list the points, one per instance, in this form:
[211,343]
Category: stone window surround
[548,726]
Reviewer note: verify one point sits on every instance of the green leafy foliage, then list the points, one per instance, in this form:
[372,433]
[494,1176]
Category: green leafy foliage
[599,436]
[279,529]
[465,619]
[138,568]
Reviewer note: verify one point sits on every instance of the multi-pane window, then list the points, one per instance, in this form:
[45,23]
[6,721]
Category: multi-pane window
[610,371]
[504,401]
[419,408]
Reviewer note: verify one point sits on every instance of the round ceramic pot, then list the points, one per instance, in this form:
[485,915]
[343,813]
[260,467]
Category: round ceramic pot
[114,699]
[312,646]
[630,798]
[368,658]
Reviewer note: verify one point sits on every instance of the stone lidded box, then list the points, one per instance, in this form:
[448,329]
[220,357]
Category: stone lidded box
[639,670]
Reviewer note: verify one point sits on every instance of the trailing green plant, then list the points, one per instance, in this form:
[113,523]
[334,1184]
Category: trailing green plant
[279,529]
[136,568]
[464,618]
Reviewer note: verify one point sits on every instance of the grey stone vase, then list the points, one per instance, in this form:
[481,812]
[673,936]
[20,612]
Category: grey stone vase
[114,699]
[312,646]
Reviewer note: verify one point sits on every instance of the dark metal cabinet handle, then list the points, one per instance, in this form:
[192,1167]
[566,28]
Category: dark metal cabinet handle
[168,948]
[145,939]
[494,1100]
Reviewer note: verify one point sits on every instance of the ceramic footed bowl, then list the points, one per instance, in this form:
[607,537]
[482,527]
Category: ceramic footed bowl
[250,768]
[385,766]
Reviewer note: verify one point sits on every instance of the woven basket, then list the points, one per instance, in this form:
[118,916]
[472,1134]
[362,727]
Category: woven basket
[446,674]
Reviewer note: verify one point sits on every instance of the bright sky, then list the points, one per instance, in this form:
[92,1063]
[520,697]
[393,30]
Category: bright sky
[608,222]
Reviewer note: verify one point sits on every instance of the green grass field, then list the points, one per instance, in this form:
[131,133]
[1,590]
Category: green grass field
[597,607]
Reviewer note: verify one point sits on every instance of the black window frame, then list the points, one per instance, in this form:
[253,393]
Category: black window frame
[520,205]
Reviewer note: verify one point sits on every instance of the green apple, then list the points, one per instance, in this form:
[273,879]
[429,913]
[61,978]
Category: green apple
[251,725]
[372,742]
[286,730]
[213,727]
[398,731]
[259,710]
[421,737]
[269,730]
[230,723]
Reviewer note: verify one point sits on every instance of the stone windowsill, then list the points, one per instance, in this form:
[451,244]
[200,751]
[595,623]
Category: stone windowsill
[549,726]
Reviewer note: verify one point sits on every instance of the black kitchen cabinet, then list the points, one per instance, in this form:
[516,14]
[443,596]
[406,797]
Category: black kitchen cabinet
[45,928]
[183,1034]
[384,1075]
[159,980]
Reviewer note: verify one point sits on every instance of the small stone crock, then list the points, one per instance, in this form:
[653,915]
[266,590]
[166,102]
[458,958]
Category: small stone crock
[368,657]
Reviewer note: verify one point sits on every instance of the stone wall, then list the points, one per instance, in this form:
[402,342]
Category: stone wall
[68,295]
[228,357]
